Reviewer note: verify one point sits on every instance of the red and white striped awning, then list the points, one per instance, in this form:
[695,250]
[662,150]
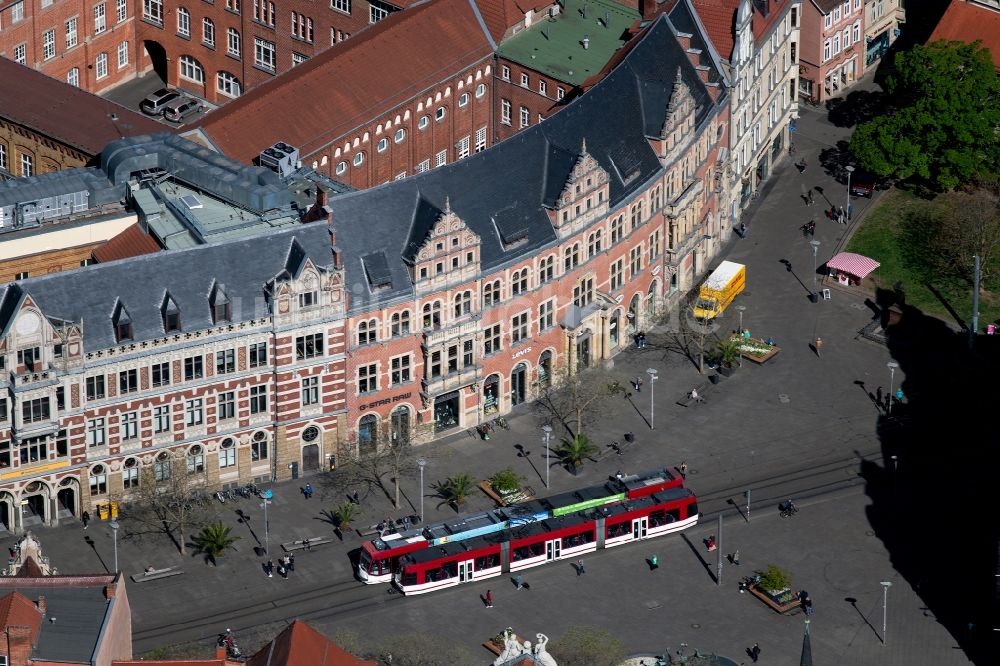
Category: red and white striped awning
[854,264]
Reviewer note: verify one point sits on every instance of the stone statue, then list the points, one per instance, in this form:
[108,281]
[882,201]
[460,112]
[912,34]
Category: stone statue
[511,648]
[542,657]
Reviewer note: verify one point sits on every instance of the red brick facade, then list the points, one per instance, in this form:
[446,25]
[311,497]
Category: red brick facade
[521,104]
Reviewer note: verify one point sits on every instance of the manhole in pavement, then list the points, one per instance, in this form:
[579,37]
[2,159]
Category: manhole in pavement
[783,398]
[695,625]
[653,605]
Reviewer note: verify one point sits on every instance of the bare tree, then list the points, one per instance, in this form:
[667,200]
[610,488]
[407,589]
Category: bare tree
[971,227]
[572,400]
[171,499]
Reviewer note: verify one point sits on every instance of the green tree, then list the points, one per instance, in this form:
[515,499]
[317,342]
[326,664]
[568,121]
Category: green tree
[942,130]
[214,539]
[456,488]
[344,514]
[573,451]
[587,646]
[506,480]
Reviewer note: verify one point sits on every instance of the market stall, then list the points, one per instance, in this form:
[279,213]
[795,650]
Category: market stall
[849,269]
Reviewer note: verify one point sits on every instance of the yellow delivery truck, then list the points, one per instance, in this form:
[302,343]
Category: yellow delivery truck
[719,290]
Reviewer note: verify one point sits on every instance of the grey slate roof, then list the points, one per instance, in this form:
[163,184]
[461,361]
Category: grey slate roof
[503,188]
[79,613]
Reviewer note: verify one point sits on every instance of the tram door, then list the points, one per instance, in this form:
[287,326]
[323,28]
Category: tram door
[639,526]
[464,571]
[552,549]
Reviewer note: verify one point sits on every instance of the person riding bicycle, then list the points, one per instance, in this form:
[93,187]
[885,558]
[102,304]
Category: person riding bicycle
[788,506]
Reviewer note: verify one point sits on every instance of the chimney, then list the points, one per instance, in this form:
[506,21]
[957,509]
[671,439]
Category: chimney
[321,197]
[586,42]
[333,237]
[41,605]
[110,589]
[337,265]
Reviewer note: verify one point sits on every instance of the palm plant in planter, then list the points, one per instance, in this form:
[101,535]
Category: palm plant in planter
[456,488]
[214,540]
[573,451]
[344,514]
[729,351]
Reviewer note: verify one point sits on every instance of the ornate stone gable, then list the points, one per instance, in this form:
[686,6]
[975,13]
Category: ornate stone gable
[584,194]
[445,248]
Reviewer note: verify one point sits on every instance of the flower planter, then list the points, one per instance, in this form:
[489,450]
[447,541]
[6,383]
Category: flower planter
[782,601]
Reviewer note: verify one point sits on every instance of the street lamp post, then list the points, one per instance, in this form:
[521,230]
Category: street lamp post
[547,429]
[266,495]
[892,365]
[653,376]
[741,308]
[850,170]
[114,531]
[421,463]
[815,245]
[885,605]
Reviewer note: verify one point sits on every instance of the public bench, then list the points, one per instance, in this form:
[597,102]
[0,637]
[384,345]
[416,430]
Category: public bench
[687,400]
[155,574]
[304,544]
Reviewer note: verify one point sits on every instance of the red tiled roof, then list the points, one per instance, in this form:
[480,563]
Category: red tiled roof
[352,82]
[500,15]
[66,113]
[719,19]
[177,662]
[18,610]
[967,22]
[762,24]
[130,243]
[300,644]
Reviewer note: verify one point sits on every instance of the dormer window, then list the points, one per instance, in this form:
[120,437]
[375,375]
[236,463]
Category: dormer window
[122,323]
[171,315]
[220,304]
[308,299]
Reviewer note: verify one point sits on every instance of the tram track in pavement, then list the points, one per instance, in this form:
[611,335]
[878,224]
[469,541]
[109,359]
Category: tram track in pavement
[350,598]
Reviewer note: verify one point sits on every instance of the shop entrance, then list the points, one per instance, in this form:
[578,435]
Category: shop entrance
[33,511]
[518,382]
[491,394]
[310,457]
[6,512]
[583,351]
[446,411]
[66,502]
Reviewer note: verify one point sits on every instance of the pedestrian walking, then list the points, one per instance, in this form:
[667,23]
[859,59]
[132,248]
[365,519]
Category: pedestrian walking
[356,498]
[291,562]
[489,599]
[579,568]
[637,383]
[878,395]
[282,570]
[684,470]
[269,569]
[743,229]
[808,604]
[308,491]
[654,562]
[85,518]
[517,583]
[642,340]
[755,652]
[736,557]
[810,197]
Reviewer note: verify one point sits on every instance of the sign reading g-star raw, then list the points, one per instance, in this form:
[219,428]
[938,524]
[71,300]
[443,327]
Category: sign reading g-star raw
[385,401]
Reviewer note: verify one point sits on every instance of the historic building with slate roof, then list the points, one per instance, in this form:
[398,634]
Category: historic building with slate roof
[429,303]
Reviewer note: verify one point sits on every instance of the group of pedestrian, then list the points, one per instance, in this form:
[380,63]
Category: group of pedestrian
[285,564]
[640,340]
[839,215]
[637,384]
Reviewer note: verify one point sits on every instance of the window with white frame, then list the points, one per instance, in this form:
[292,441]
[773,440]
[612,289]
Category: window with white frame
[227,454]
[21,53]
[194,412]
[183,22]
[73,77]
[258,446]
[122,10]
[100,19]
[122,55]
[525,116]
[847,37]
[847,8]
[263,11]
[480,90]
[505,111]
[341,5]
[195,459]
[505,73]
[264,53]
[423,166]
[162,468]
[827,20]
[208,32]
[152,10]
[98,480]
[341,168]
[161,419]
[480,139]
[71,35]
[49,44]
[377,11]
[358,160]
[826,50]
[101,65]
[463,101]
[400,135]
[227,84]
[857,5]
[546,314]
[383,145]
[310,391]
[423,122]
[617,275]
[441,158]
[368,378]
[128,426]
[96,435]
[234,44]
[439,114]
[400,370]
[130,474]
[836,44]
[191,69]
[463,148]
[17,12]
[857,31]
[836,14]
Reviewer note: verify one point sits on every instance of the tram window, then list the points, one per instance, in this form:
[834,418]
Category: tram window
[577,539]
[409,578]
[525,552]
[366,561]
[618,529]
[450,569]
[487,562]
[692,509]
[673,515]
[657,518]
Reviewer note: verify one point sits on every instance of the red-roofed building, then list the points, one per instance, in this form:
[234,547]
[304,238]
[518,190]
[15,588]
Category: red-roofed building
[301,644]
[968,21]
[833,47]
[365,113]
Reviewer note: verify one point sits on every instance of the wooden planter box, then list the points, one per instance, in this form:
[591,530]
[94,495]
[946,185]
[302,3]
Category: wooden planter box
[783,609]
[486,487]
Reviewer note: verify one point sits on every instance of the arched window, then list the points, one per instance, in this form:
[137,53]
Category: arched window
[383,144]
[492,293]
[463,303]
[432,315]
[519,282]
[571,257]
[161,468]
[227,453]
[196,459]
[98,480]
[651,301]
[545,369]
[191,69]
[227,84]
[368,332]
[183,22]
[480,90]
[399,425]
[358,159]
[368,431]
[546,269]
[130,473]
[400,135]
[341,168]
[400,323]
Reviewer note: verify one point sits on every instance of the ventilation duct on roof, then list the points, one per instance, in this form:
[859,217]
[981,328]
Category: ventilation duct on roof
[281,158]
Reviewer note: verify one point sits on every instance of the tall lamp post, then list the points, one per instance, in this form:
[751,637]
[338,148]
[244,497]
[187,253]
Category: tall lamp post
[815,245]
[850,170]
[266,495]
[114,531]
[547,429]
[653,376]
[885,605]
[421,463]
[892,365]
[741,308]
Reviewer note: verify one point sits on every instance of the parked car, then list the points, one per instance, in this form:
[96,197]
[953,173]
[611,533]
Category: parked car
[154,103]
[179,109]
[863,184]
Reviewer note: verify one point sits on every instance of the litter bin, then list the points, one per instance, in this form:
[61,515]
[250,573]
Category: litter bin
[333,463]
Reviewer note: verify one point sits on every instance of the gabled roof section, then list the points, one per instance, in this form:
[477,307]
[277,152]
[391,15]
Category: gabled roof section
[425,216]
[559,164]
[10,304]
[501,15]
[130,243]
[653,98]
[685,20]
[299,645]
[296,259]
[66,113]
[19,611]
[352,82]
[120,314]
[967,22]
[377,269]
[719,19]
